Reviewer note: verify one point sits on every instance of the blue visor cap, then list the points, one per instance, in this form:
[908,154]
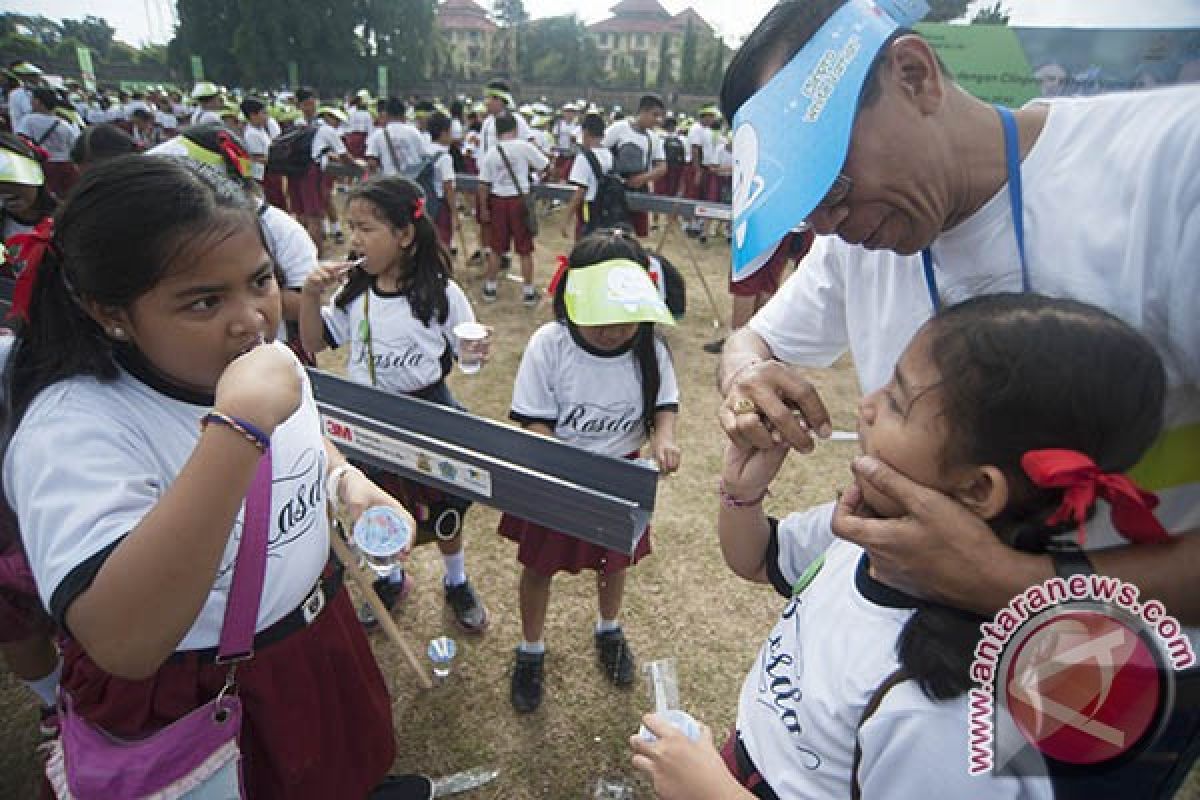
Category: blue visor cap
[791,137]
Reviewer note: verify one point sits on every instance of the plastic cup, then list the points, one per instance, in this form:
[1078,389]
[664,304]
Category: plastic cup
[678,718]
[441,652]
[381,535]
[471,336]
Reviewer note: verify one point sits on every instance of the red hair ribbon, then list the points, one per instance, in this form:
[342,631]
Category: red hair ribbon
[31,248]
[561,270]
[1082,482]
[418,209]
[236,155]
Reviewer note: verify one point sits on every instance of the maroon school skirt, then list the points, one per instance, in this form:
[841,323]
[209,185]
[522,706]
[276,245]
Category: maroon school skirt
[317,717]
[547,551]
[306,194]
[441,223]
[356,143]
[21,613]
[272,185]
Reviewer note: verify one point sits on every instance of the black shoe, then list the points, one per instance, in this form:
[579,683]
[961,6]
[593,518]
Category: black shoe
[391,595]
[527,681]
[403,787]
[470,614]
[615,657]
[715,347]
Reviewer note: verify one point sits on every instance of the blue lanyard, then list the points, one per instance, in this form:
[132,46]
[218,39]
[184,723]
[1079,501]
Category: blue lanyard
[1012,159]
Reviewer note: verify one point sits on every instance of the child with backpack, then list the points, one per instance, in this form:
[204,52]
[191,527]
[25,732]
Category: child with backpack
[599,198]
[439,183]
[677,157]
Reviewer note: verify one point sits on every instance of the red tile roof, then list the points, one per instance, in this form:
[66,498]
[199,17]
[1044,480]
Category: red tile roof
[648,16]
[463,15]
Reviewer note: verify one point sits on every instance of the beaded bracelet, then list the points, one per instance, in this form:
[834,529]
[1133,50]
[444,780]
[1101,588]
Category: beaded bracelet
[729,501]
[249,431]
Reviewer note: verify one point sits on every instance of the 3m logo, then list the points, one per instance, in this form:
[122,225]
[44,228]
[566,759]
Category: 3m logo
[337,430]
[1084,687]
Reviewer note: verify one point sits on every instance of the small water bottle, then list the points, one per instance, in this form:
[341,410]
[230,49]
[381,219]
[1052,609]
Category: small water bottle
[442,651]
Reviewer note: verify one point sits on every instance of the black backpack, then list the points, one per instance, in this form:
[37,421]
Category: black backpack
[610,208]
[291,153]
[674,150]
[425,175]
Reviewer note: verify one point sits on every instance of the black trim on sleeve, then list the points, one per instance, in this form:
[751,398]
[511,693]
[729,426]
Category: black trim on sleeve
[328,334]
[774,573]
[524,419]
[667,407]
[78,581]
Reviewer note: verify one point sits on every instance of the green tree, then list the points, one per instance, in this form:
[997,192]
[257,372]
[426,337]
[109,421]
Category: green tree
[558,50]
[91,31]
[512,18]
[687,58]
[206,29]
[995,15]
[945,10]
[663,79]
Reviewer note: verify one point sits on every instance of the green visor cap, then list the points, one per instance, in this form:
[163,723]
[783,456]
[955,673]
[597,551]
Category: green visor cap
[616,292]
[15,168]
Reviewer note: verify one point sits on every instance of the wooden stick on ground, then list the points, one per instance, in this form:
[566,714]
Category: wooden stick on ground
[364,581]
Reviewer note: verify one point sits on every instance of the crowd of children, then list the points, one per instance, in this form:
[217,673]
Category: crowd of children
[150,315]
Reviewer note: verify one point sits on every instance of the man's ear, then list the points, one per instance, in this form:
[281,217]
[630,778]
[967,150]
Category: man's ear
[984,490]
[913,65]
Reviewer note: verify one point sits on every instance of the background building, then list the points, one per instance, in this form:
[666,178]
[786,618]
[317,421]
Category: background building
[469,35]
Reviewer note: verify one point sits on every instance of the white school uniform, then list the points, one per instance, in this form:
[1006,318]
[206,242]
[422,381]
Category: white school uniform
[582,173]
[54,134]
[833,646]
[522,156]
[709,142]
[443,168]
[292,249]
[203,117]
[405,152]
[409,356]
[622,133]
[20,103]
[566,134]
[589,399]
[361,121]
[90,459]
[488,136]
[326,141]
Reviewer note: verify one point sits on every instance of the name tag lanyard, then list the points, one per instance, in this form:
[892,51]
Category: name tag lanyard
[1012,159]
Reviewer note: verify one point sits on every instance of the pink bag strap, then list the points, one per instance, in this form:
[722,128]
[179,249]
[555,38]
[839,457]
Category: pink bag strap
[245,592]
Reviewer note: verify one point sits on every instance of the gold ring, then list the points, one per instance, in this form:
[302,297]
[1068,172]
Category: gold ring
[744,406]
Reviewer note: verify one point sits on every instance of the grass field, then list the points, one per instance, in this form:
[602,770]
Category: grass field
[681,602]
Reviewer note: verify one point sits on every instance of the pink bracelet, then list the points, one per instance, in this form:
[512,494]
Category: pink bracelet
[729,501]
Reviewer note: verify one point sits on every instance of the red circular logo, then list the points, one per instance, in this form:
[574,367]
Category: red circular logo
[1083,687]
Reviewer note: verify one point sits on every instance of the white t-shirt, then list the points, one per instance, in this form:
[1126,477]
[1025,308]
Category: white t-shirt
[273,129]
[1110,213]
[833,646]
[165,121]
[582,173]
[127,443]
[591,401]
[291,247]
[361,121]
[406,141]
[622,133]
[566,134]
[488,136]
[443,168]
[20,103]
[522,156]
[709,142]
[258,143]
[456,130]
[326,140]
[59,135]
[409,356]
[202,117]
